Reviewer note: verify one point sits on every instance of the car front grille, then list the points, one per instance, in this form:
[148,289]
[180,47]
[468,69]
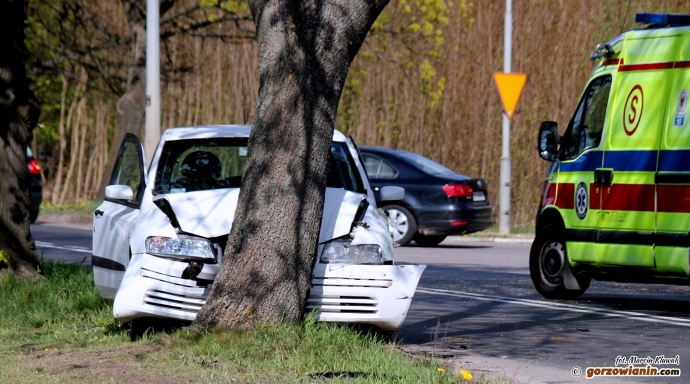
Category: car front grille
[341,282]
[343,304]
[172,300]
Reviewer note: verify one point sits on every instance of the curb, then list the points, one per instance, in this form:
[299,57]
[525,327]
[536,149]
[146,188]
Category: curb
[473,239]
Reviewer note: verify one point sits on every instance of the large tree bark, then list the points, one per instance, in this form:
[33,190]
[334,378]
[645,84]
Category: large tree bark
[132,105]
[305,50]
[18,116]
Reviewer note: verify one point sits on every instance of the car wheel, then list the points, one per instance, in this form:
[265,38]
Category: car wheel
[401,223]
[546,266]
[429,241]
[33,216]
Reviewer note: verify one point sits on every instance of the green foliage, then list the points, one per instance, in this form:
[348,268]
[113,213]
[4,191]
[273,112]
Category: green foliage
[409,34]
[230,6]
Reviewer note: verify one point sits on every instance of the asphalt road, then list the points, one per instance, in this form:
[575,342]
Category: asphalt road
[475,305]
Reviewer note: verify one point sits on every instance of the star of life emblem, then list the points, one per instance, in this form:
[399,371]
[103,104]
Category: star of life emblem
[581,201]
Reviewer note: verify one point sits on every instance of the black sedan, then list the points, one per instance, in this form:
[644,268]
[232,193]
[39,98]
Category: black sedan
[437,203]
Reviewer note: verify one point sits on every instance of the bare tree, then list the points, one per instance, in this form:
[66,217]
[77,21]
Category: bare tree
[18,116]
[131,105]
[305,50]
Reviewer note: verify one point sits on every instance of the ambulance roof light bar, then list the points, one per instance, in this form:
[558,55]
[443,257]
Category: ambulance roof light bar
[663,19]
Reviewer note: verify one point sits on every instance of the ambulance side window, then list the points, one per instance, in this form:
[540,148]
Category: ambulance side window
[587,124]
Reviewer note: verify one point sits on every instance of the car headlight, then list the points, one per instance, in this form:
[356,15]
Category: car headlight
[181,247]
[342,252]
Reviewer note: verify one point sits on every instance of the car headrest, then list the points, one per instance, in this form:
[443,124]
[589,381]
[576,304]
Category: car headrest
[201,163]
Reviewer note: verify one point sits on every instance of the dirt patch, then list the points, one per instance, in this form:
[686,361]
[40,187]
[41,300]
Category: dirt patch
[121,365]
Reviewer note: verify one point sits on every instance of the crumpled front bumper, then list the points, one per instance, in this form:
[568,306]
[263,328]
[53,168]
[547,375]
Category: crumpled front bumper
[371,294]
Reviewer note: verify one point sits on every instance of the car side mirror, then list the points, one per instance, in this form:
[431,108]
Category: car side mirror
[390,193]
[119,192]
[548,141]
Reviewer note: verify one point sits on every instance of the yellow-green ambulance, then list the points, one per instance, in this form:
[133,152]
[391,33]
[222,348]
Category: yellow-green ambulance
[615,202]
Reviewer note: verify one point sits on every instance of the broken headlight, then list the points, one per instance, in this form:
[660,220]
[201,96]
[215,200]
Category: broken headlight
[343,252]
[181,247]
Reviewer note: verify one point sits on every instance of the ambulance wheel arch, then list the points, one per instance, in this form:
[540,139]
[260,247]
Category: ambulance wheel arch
[548,261]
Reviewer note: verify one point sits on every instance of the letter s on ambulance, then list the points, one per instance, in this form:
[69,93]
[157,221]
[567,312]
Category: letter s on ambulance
[615,203]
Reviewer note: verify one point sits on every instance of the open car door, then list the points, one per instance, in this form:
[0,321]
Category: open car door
[112,219]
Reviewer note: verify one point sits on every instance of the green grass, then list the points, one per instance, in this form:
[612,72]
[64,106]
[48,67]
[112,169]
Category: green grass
[76,207]
[63,305]
[62,313]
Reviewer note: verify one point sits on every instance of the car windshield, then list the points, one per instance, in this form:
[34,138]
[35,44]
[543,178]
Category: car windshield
[424,164]
[216,163]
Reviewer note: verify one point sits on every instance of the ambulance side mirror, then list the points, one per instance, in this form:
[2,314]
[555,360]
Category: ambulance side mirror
[548,141]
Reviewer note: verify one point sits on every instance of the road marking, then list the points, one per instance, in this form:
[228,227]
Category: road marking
[561,306]
[42,244]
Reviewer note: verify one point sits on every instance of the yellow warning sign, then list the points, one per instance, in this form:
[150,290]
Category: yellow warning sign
[510,88]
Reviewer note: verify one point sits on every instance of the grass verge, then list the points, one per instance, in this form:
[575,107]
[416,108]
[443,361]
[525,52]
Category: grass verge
[59,328]
[77,207]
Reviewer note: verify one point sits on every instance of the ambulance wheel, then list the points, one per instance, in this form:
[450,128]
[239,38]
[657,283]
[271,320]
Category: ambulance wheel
[546,266]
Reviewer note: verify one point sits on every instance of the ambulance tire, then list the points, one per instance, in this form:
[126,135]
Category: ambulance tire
[546,261]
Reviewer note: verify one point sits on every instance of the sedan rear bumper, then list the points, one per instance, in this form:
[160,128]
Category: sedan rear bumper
[455,219]
[371,294]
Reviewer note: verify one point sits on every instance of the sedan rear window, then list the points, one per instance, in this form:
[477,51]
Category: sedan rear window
[424,164]
[204,164]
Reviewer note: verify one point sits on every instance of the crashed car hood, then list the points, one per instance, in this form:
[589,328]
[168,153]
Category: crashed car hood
[210,213]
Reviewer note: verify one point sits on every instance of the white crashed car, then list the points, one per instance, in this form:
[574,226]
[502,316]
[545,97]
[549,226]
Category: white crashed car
[158,238]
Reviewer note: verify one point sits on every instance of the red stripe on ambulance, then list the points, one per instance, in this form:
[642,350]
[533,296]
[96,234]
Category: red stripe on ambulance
[673,198]
[565,196]
[653,66]
[628,197]
[612,62]
[594,196]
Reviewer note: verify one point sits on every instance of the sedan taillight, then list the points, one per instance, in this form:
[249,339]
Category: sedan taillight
[34,168]
[457,190]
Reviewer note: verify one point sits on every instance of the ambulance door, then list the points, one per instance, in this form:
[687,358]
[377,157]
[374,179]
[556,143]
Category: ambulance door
[576,196]
[627,219]
[673,181]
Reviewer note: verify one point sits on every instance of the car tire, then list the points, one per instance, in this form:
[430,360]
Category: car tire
[546,266]
[33,216]
[428,241]
[401,223]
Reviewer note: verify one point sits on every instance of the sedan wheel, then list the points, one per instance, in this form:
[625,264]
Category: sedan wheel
[401,223]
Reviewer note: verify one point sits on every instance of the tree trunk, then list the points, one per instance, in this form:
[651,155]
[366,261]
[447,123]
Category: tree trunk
[18,116]
[305,50]
[131,106]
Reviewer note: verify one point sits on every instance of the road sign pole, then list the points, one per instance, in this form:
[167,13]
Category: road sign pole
[504,200]
[152,128]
